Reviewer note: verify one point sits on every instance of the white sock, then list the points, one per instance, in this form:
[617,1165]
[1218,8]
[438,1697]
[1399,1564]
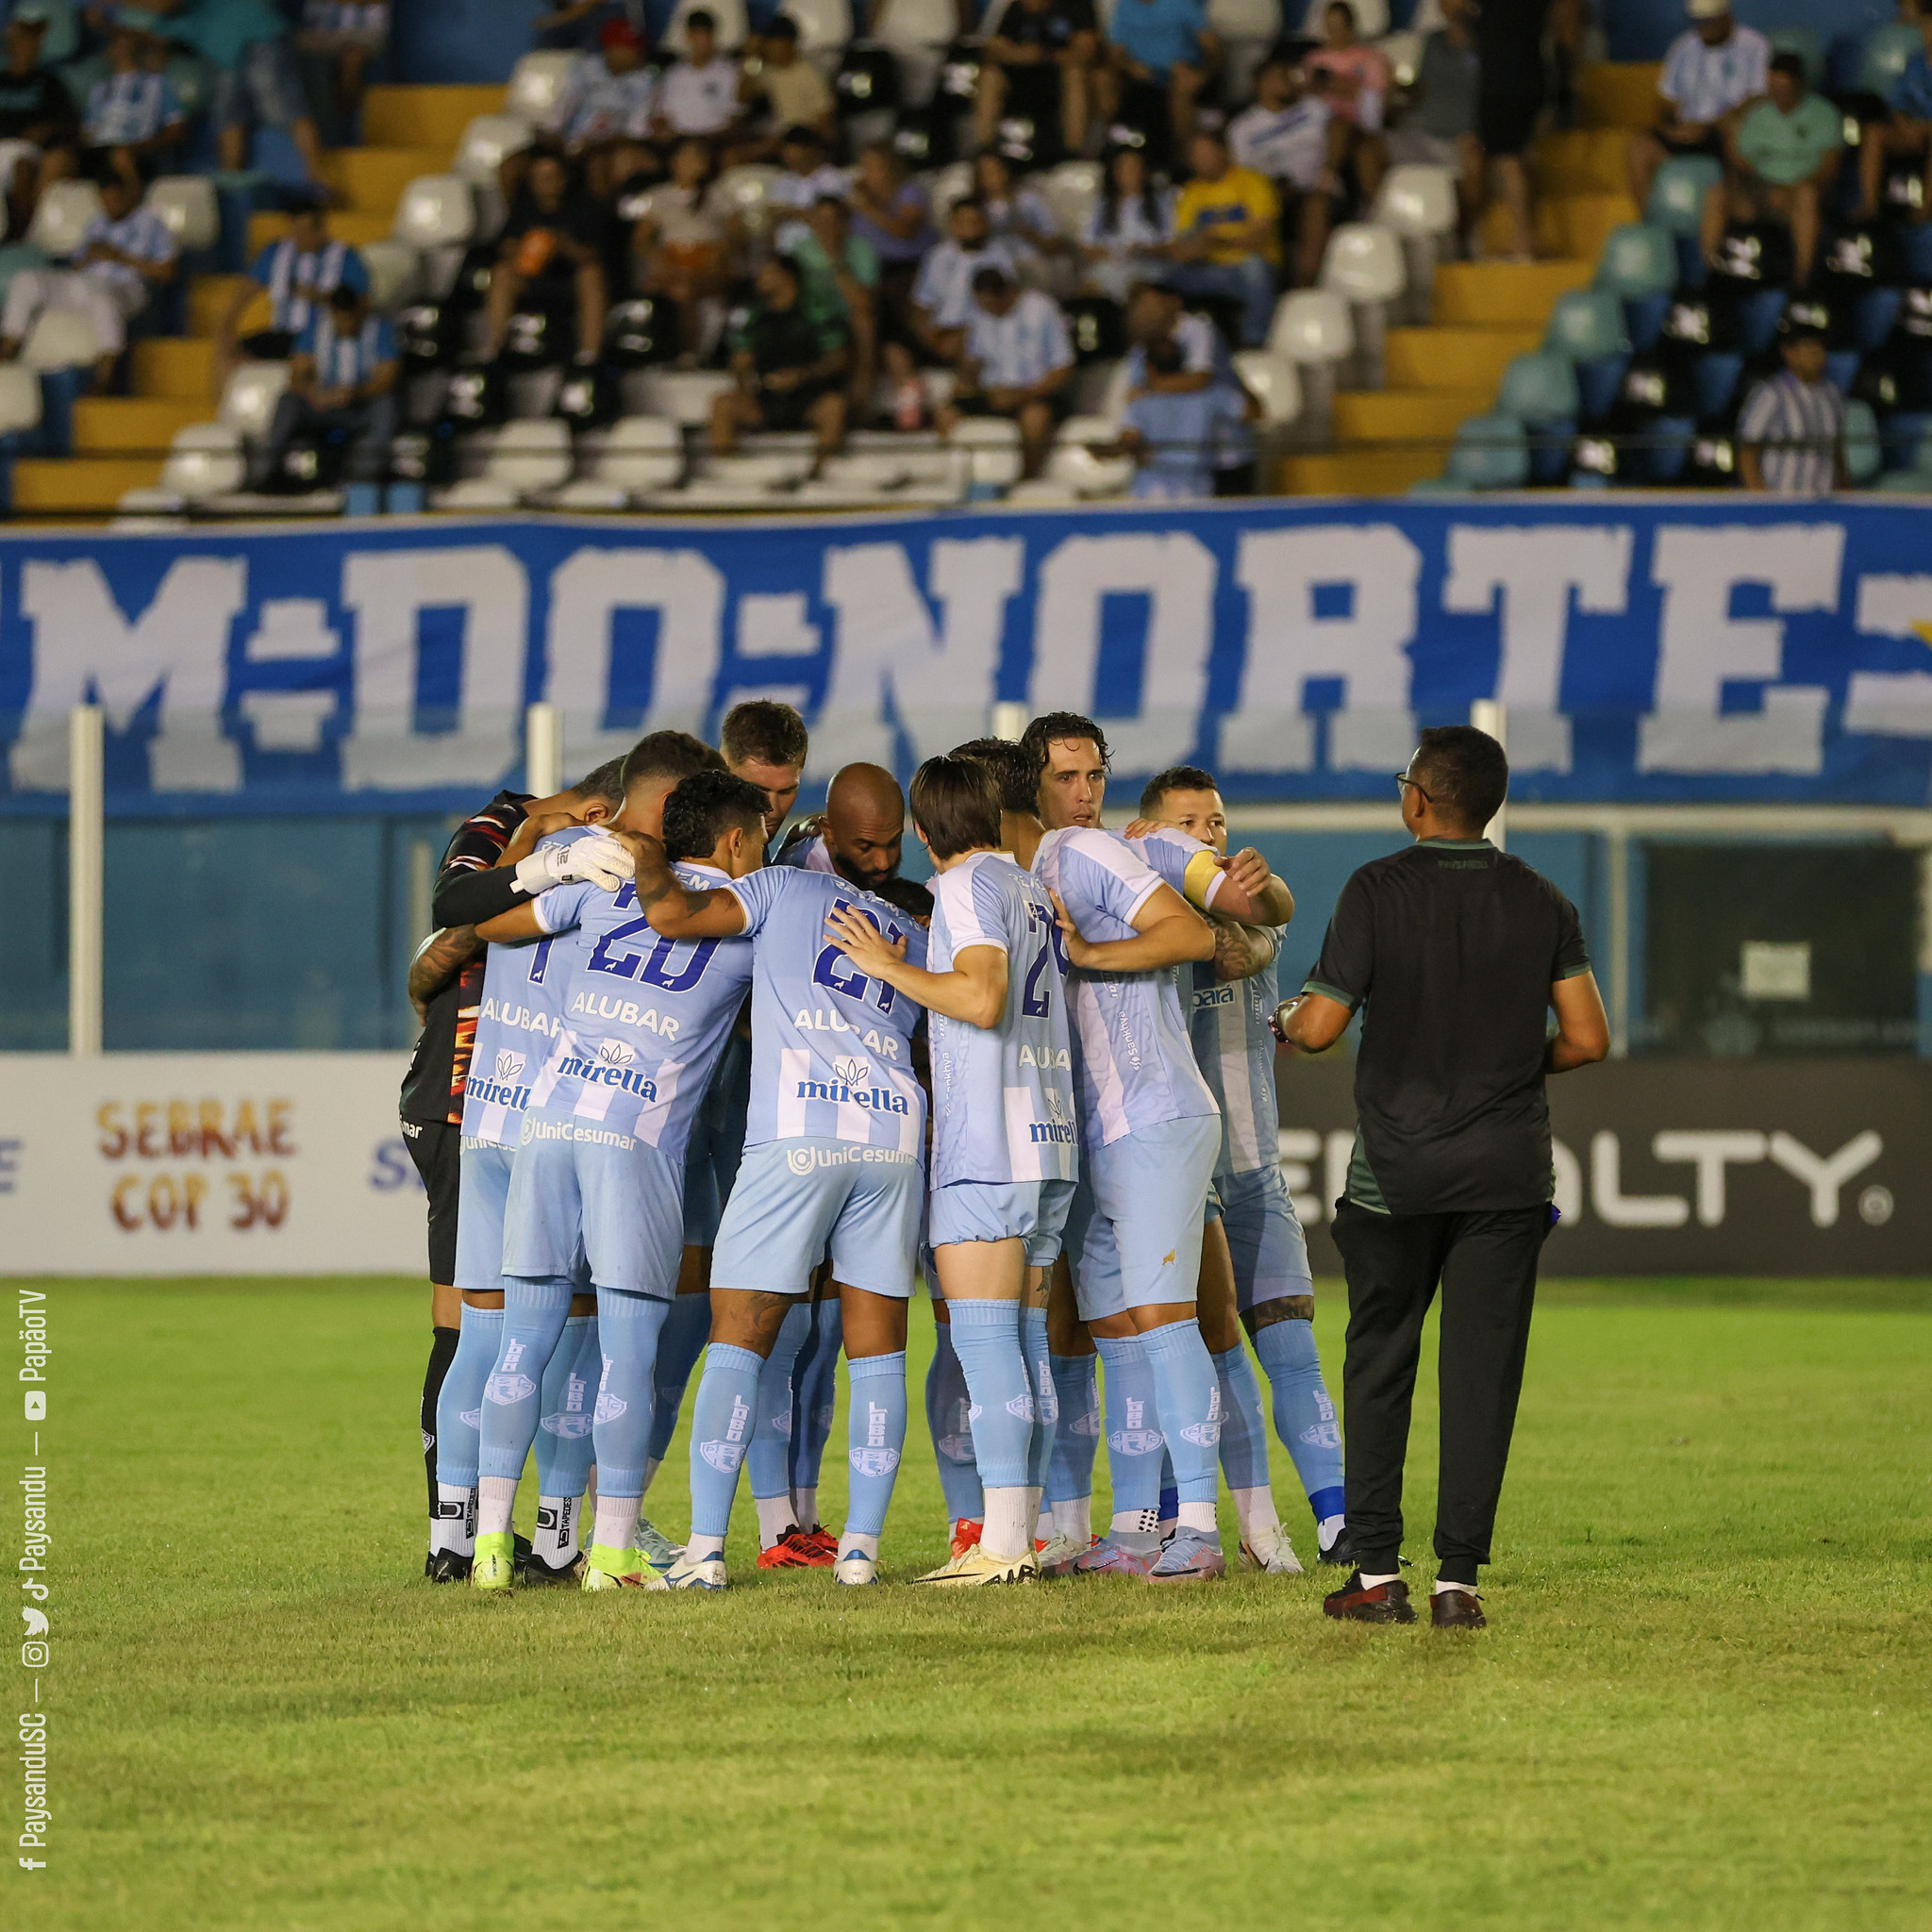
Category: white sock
[1439,1588]
[453,1526]
[496,1499]
[1328,1529]
[1135,1522]
[616,1522]
[805,1506]
[698,1548]
[1043,1526]
[1033,1497]
[1074,1518]
[558,1519]
[1254,1510]
[1375,1582]
[1007,1517]
[852,1544]
[652,1465]
[774,1518]
[1198,1516]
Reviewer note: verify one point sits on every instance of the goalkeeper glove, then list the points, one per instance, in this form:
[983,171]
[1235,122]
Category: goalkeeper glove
[598,860]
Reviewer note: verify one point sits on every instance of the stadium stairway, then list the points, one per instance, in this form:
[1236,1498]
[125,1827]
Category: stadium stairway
[1484,312]
[120,443]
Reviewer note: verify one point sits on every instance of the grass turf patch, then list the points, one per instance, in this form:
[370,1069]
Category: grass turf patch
[1702,1703]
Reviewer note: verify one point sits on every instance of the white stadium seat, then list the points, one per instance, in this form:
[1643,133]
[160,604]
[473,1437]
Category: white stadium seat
[1075,467]
[1271,379]
[1404,54]
[435,211]
[1371,19]
[64,211]
[914,23]
[521,460]
[187,203]
[205,460]
[1416,198]
[729,14]
[487,142]
[1069,191]
[684,395]
[20,398]
[952,183]
[1246,20]
[59,338]
[1312,325]
[824,26]
[395,273]
[536,84]
[992,444]
[748,189]
[248,403]
[1364,263]
[636,455]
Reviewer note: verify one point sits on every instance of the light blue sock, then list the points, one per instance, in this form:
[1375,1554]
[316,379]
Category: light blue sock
[680,1342]
[720,1421]
[1243,1427]
[949,1416]
[535,1308]
[1076,1436]
[563,1427]
[875,1438]
[459,1405]
[771,1442]
[1189,1403]
[1133,1429]
[1303,1415]
[1046,1401]
[986,1338]
[630,1328]
[815,1392]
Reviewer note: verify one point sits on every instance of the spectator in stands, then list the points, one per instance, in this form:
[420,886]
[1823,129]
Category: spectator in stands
[790,366]
[574,25]
[1038,62]
[1016,361]
[687,246]
[36,110]
[255,84]
[298,274]
[606,107]
[1784,155]
[806,175]
[1908,132]
[1175,427]
[1509,98]
[1226,235]
[1791,431]
[1128,226]
[1353,77]
[125,254]
[942,295]
[1711,72]
[839,276]
[134,120]
[698,95]
[341,386]
[1157,314]
[350,34]
[1016,213]
[891,211]
[793,90]
[1437,127]
[1298,142]
[549,257]
[1163,45]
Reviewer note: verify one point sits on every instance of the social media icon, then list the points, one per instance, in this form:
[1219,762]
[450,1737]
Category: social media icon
[36,1404]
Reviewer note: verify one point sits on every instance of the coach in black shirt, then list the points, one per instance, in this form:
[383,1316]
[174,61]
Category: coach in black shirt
[1455,953]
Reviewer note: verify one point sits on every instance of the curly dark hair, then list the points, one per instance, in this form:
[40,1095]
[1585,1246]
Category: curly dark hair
[705,806]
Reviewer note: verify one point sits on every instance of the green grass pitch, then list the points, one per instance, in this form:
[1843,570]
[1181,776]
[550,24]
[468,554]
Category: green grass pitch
[1703,1700]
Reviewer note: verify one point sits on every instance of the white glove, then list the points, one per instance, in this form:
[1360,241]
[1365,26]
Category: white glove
[601,859]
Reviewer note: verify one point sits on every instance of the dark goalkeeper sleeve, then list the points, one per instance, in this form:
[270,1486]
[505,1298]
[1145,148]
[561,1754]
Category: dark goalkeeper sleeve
[464,897]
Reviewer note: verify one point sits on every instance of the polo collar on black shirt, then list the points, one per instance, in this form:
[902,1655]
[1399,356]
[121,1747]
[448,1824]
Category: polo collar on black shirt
[1457,845]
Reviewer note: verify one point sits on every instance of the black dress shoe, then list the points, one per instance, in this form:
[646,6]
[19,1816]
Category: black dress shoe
[1387,1603]
[1456,1609]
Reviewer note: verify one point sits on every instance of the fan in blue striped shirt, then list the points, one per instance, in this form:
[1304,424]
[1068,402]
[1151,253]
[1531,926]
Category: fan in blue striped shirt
[342,389]
[134,114]
[1018,361]
[1791,426]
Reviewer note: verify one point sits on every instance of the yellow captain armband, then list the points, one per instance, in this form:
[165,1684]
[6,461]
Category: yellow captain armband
[1202,879]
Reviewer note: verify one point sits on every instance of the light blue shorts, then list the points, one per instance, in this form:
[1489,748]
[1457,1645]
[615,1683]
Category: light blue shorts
[717,1144]
[1133,1233]
[576,1201]
[485,1169]
[998,1210]
[1264,1237]
[792,1198]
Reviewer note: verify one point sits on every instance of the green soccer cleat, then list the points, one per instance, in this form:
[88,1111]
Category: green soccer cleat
[495,1565]
[609,1569]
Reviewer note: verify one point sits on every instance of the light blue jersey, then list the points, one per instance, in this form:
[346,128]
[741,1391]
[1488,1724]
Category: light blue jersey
[1002,1096]
[831,1049]
[1235,1046]
[644,1018]
[1133,1064]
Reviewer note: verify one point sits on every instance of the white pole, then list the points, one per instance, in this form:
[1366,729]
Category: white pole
[1487,714]
[86,877]
[1010,721]
[1619,841]
[543,750]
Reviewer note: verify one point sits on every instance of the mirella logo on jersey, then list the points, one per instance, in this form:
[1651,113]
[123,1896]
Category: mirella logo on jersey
[613,1065]
[1059,1131]
[500,1090]
[803,1160]
[848,1086]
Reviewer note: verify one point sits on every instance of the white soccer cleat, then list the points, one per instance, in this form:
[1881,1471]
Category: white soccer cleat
[692,1572]
[977,1566]
[855,1567]
[1058,1553]
[1274,1556]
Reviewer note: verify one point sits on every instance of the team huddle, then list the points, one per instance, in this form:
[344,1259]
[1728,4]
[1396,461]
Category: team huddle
[704,1106]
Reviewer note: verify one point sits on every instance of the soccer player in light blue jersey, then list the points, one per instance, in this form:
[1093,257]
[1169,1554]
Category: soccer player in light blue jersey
[833,1155]
[1005,1147]
[600,1169]
[1256,1237]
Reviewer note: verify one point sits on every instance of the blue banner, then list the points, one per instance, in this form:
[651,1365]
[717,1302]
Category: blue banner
[1720,649]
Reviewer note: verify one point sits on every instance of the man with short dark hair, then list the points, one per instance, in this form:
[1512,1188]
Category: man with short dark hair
[298,273]
[341,383]
[1454,953]
[1791,431]
[765,742]
[1017,362]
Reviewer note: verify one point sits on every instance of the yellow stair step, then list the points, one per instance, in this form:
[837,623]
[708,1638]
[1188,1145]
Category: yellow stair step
[1618,94]
[1406,415]
[179,368]
[208,297]
[424,116]
[371,179]
[353,225]
[142,425]
[1463,358]
[1359,472]
[80,483]
[1569,228]
[1582,160]
[1519,292]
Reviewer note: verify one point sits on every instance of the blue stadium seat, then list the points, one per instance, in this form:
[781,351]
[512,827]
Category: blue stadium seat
[1902,435]
[1841,366]
[1887,50]
[1636,260]
[1716,376]
[1872,319]
[1757,318]
[1597,384]
[1669,449]
[1491,453]
[1677,194]
[1540,388]
[1587,326]
[1863,454]
[1802,41]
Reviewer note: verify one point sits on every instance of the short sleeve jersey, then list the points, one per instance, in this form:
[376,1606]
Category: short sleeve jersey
[1234,1046]
[1451,948]
[831,1049]
[1002,1096]
[646,1017]
[1133,1065]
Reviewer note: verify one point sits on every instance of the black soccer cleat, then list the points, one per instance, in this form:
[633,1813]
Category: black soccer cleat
[531,1568]
[1342,1551]
[447,1566]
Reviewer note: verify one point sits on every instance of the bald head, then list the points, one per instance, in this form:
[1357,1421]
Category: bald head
[865,822]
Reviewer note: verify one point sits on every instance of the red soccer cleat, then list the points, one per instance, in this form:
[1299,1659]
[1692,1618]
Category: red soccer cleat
[966,1535]
[796,1549]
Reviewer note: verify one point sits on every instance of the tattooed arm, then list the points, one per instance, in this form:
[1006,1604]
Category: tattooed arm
[438,960]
